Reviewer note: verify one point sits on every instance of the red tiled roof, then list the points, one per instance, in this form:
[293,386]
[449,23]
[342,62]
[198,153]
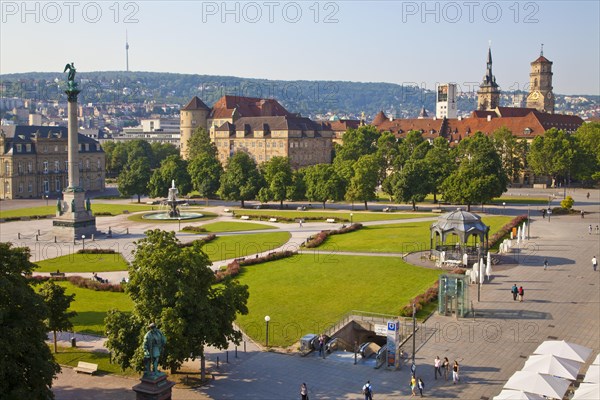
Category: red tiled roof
[342,125]
[273,123]
[379,118]
[542,59]
[195,104]
[400,127]
[247,107]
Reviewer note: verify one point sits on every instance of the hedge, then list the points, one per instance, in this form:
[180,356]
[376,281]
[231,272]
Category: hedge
[96,251]
[201,241]
[506,229]
[320,237]
[82,282]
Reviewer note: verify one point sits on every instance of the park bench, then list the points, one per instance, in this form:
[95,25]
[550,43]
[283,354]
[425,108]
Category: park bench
[330,220]
[226,210]
[437,210]
[57,274]
[272,219]
[125,211]
[245,217]
[86,367]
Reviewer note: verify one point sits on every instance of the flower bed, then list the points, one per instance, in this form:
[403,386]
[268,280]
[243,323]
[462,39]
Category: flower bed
[194,229]
[202,241]
[320,237]
[234,267]
[82,282]
[96,251]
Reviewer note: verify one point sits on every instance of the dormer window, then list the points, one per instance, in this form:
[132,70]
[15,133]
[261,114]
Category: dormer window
[527,131]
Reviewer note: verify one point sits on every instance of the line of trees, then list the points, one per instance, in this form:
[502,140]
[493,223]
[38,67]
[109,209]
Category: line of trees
[478,169]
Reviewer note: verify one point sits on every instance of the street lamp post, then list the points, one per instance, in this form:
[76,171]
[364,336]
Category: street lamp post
[351,215]
[504,206]
[179,219]
[413,366]
[528,223]
[267,319]
[83,241]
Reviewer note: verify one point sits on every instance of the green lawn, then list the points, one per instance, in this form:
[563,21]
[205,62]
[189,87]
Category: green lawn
[91,307]
[234,246]
[309,293]
[394,238]
[519,200]
[84,263]
[114,209]
[234,227]
[205,217]
[71,356]
[357,216]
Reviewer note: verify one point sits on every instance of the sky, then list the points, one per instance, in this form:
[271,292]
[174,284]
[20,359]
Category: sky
[410,42]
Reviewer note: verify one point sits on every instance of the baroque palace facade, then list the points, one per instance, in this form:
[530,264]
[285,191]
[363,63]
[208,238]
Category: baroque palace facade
[34,162]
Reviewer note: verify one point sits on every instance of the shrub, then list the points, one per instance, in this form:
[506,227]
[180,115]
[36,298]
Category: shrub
[567,203]
[103,214]
[81,282]
[269,257]
[319,238]
[194,229]
[96,251]
[202,241]
[421,300]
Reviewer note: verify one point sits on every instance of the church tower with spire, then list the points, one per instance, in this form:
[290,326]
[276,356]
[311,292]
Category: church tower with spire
[488,95]
[540,94]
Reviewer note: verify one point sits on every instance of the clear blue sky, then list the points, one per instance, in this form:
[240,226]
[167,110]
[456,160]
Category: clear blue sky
[379,41]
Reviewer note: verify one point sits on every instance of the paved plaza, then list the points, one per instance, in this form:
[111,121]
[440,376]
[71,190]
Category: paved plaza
[562,303]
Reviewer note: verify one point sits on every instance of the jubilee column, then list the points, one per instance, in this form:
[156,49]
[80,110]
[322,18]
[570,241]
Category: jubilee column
[74,215]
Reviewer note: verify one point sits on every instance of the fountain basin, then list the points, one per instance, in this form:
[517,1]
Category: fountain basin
[164,216]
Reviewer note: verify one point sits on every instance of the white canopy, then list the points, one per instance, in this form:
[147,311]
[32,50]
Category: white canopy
[541,384]
[587,391]
[551,365]
[517,395]
[560,348]
[488,267]
[593,374]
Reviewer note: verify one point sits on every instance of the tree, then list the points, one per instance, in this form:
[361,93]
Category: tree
[278,176]
[323,183]
[173,286]
[116,157]
[28,367]
[357,143]
[366,177]
[137,149]
[172,168]
[199,144]
[205,171]
[134,178]
[555,154]
[297,190]
[409,145]
[588,138]
[388,151]
[161,151]
[440,164]
[412,183]
[57,302]
[479,176]
[510,151]
[241,180]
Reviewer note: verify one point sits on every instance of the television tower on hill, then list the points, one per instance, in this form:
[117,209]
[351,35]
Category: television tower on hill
[126,51]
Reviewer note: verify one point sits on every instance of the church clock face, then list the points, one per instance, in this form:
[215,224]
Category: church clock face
[535,95]
[549,95]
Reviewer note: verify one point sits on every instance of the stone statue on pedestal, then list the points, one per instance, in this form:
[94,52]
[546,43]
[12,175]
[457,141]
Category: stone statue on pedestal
[88,204]
[73,205]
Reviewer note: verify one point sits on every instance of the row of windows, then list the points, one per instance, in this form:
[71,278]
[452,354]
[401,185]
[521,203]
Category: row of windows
[27,148]
[45,166]
[47,186]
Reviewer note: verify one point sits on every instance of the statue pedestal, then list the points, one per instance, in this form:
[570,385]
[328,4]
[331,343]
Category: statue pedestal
[69,224]
[154,387]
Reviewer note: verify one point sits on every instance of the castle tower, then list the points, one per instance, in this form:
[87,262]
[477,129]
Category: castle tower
[192,116]
[445,105]
[488,95]
[540,94]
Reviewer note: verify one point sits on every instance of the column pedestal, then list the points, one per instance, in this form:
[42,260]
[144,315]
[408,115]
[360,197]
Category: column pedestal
[154,387]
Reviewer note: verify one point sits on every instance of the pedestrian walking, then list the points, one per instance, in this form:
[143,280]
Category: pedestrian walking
[597,229]
[594,263]
[521,293]
[300,223]
[544,213]
[515,290]
[545,263]
[321,344]
[303,392]
[590,229]
[446,367]
[421,386]
[455,371]
[437,367]
[582,214]
[367,390]
[413,386]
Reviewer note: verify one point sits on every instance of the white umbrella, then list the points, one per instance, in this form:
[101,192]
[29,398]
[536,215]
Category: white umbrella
[517,395]
[587,391]
[563,349]
[488,267]
[465,259]
[524,230]
[518,235]
[481,270]
[596,360]
[593,374]
[551,365]
[532,382]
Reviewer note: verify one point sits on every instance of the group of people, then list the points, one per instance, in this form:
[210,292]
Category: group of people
[519,291]
[439,366]
[590,229]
